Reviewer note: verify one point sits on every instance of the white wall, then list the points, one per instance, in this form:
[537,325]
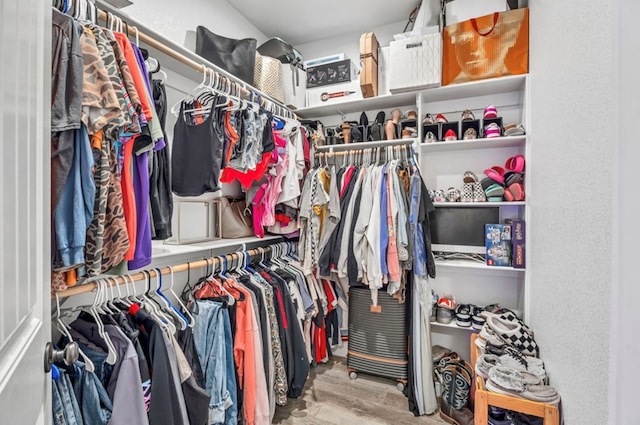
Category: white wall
[573,138]
[625,292]
[348,44]
[177,20]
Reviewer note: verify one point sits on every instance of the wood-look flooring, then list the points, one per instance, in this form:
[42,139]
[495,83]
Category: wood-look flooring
[331,398]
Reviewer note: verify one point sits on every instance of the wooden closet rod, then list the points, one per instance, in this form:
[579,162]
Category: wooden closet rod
[132,29]
[91,286]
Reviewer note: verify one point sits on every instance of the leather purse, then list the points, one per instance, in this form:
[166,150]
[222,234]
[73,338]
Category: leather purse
[236,219]
[237,57]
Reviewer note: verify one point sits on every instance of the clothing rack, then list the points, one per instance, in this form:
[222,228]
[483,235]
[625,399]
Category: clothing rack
[364,145]
[134,28]
[140,276]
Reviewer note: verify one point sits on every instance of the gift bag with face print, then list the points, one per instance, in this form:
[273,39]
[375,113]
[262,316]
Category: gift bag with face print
[486,47]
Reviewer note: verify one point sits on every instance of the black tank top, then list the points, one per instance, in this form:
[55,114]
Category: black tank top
[197,154]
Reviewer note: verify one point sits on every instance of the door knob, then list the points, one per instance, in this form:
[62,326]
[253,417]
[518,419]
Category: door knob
[69,355]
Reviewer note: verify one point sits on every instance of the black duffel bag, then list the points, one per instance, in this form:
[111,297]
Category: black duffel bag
[238,57]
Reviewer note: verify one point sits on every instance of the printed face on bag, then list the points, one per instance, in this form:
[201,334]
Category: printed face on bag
[482,54]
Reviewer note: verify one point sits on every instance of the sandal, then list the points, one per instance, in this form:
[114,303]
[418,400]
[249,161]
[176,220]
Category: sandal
[512,177]
[492,130]
[430,137]
[495,173]
[450,136]
[515,163]
[514,193]
[490,112]
[514,130]
[467,115]
[494,193]
[470,133]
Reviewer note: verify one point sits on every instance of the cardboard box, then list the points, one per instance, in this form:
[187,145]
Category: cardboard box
[518,241]
[331,73]
[415,63]
[337,93]
[498,243]
[463,10]
[369,61]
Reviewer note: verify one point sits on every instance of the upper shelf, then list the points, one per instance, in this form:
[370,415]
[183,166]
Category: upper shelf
[460,145]
[451,92]
[359,105]
[488,87]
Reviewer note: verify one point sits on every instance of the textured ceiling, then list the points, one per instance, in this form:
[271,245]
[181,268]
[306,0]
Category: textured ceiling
[303,21]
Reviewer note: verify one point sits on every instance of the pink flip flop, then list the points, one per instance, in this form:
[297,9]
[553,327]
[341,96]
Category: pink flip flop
[515,192]
[515,163]
[495,173]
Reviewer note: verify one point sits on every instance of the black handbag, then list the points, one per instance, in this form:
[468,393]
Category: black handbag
[238,57]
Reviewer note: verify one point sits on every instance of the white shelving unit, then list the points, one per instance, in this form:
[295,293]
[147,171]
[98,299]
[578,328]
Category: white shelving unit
[443,165]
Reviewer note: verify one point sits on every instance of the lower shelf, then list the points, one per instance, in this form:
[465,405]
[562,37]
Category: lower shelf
[469,264]
[452,325]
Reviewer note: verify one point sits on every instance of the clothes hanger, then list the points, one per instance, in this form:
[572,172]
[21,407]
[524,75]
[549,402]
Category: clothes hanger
[64,330]
[184,310]
[168,306]
[112,356]
[154,309]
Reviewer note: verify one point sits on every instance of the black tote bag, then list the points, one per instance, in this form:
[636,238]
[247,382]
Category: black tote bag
[237,57]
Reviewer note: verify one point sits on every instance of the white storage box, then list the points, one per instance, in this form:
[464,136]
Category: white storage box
[335,93]
[294,84]
[415,63]
[383,71]
[463,10]
[325,59]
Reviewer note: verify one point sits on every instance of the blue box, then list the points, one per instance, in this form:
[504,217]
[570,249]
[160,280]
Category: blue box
[498,243]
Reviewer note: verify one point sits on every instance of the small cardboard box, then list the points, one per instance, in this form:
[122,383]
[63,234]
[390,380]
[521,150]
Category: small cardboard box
[498,243]
[369,59]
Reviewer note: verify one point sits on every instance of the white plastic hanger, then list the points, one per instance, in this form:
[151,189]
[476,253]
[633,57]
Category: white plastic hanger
[112,355]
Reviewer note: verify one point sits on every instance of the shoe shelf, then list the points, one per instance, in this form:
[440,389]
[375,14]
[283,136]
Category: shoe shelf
[453,325]
[475,266]
[479,204]
[358,105]
[484,399]
[451,92]
[473,144]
